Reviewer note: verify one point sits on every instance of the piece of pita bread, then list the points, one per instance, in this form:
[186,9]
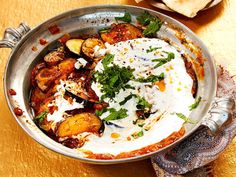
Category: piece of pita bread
[188,8]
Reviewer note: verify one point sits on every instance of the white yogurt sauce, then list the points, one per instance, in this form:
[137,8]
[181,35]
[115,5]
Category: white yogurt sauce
[176,97]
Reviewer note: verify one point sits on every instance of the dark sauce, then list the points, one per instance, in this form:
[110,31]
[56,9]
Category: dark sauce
[12,92]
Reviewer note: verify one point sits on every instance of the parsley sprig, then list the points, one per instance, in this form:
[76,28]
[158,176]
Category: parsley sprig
[195,104]
[125,18]
[40,117]
[113,79]
[115,115]
[185,118]
[151,78]
[151,49]
[162,61]
[152,23]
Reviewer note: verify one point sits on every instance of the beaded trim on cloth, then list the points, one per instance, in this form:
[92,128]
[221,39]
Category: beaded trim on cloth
[201,147]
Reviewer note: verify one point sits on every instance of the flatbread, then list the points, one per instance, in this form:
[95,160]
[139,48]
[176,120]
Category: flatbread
[188,8]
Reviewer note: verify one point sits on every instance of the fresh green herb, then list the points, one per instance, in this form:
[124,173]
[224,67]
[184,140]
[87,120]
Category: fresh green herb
[153,22]
[186,119]
[107,60]
[127,99]
[195,104]
[125,18]
[104,30]
[162,61]
[41,116]
[129,87]
[113,79]
[115,115]
[152,28]
[137,134]
[142,103]
[145,18]
[151,78]
[152,49]
[100,112]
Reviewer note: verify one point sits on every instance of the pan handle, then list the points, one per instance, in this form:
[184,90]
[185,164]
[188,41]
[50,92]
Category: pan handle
[13,35]
[219,114]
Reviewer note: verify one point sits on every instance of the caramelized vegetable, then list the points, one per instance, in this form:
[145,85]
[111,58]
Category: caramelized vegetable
[35,71]
[67,66]
[74,45]
[54,58]
[79,123]
[46,77]
[121,32]
[89,45]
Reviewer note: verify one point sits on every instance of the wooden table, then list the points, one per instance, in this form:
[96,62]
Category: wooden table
[21,156]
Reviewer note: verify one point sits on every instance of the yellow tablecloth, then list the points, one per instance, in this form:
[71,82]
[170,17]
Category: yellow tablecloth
[21,156]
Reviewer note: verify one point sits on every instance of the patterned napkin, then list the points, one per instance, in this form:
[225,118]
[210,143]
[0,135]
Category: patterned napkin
[201,147]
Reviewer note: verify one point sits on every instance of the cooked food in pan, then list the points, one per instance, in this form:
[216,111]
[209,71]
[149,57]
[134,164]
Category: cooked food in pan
[120,94]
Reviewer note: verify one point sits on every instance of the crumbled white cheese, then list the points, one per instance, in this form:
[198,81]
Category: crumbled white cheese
[80,62]
[62,104]
[99,52]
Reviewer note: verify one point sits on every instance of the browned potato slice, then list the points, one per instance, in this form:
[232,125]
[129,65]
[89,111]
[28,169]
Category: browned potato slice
[79,123]
[46,77]
[67,66]
[89,44]
[121,32]
[74,45]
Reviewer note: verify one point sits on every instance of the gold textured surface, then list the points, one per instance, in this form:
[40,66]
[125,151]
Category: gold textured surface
[21,156]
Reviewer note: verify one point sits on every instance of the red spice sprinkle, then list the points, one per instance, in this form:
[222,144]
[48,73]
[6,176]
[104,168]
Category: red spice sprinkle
[64,38]
[18,111]
[12,92]
[54,29]
[43,41]
[34,48]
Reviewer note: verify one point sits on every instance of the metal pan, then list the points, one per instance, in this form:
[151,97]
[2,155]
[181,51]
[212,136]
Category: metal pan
[87,21]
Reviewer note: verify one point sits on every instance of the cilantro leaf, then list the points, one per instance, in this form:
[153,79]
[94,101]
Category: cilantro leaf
[152,49]
[115,115]
[125,18]
[142,103]
[41,116]
[145,18]
[162,61]
[153,23]
[152,28]
[137,134]
[107,60]
[186,119]
[151,78]
[113,79]
[100,112]
[127,99]
[195,104]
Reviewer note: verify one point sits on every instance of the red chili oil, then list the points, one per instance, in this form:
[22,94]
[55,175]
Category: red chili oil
[54,29]
[12,92]
[18,111]
[43,41]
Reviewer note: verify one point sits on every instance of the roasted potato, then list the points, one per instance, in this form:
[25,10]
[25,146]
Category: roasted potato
[67,66]
[35,71]
[74,45]
[88,47]
[46,77]
[79,123]
[37,97]
[121,32]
